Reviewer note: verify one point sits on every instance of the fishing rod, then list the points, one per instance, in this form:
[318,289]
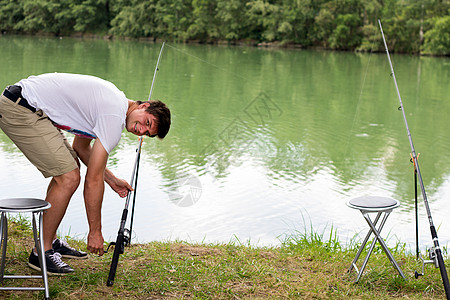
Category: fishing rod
[124,235]
[434,252]
[142,138]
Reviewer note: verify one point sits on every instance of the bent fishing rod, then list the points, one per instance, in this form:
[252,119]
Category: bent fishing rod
[124,235]
[435,252]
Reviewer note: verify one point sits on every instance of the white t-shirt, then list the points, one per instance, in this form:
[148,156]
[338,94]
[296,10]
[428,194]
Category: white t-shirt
[84,105]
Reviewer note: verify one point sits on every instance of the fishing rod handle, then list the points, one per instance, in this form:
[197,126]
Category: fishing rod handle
[444,275]
[115,260]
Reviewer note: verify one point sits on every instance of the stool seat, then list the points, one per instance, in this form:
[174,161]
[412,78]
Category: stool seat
[383,206]
[23,204]
[373,203]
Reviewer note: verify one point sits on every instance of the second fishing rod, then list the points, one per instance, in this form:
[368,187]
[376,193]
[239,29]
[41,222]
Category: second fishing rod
[436,249]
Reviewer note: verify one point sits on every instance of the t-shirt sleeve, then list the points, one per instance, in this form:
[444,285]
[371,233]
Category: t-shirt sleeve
[108,130]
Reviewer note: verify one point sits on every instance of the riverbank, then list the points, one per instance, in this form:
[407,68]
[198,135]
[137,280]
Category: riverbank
[237,43]
[104,36]
[304,267]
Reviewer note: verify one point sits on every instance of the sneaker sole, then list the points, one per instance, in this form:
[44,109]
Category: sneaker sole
[48,273]
[74,257]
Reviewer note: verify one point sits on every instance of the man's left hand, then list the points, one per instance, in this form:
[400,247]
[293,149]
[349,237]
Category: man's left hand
[121,187]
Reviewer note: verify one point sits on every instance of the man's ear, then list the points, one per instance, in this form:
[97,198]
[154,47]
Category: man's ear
[144,105]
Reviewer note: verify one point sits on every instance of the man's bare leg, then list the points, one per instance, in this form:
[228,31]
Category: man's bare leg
[59,193]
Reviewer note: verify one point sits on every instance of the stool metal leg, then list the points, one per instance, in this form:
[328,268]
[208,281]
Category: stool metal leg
[41,252]
[353,265]
[383,244]
[3,242]
[37,245]
[372,230]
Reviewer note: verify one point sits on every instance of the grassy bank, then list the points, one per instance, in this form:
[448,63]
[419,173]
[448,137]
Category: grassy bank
[304,267]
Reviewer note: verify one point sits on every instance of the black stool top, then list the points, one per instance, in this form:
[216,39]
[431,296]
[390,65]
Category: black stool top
[373,203]
[23,204]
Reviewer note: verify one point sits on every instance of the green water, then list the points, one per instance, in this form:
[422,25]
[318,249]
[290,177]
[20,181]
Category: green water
[263,142]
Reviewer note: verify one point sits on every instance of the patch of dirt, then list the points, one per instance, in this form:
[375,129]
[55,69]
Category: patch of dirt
[194,250]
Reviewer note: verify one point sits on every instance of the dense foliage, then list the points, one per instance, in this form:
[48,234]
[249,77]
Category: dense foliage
[414,26]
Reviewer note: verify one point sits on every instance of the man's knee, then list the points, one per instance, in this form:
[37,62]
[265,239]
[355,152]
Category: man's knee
[70,180]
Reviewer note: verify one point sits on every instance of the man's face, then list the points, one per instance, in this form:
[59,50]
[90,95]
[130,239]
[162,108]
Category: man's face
[140,122]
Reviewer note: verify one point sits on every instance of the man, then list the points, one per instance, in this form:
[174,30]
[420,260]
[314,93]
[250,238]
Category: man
[33,111]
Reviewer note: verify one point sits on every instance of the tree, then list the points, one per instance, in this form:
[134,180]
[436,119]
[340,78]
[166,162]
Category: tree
[297,18]
[46,16]
[323,27]
[231,15]
[89,15]
[437,39]
[135,20]
[204,25]
[265,16]
[172,18]
[11,12]
[347,33]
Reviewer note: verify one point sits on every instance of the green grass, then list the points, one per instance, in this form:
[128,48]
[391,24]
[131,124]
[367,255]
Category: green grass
[305,266]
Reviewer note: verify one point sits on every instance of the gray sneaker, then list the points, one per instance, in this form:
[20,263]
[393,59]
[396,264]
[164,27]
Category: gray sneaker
[66,251]
[55,266]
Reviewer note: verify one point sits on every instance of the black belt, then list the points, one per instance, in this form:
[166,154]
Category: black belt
[13,93]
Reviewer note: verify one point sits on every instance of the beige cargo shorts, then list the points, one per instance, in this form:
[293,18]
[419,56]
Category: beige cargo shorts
[43,144]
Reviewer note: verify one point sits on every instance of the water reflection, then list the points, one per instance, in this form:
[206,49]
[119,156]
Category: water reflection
[263,141]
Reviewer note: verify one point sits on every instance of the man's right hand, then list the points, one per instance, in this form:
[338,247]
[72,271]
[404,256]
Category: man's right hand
[95,243]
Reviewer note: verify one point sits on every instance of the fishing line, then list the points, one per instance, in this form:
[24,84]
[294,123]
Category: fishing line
[207,62]
[357,110]
[358,104]
[356,115]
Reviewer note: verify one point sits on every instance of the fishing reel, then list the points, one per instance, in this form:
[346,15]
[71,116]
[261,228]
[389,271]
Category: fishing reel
[432,260]
[126,241]
[126,237]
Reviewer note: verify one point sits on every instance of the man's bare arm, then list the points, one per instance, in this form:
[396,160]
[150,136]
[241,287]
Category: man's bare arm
[82,147]
[93,196]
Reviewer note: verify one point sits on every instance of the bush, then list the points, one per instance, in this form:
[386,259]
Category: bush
[437,39]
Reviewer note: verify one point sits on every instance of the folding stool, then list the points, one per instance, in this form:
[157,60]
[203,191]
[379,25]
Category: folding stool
[383,206]
[35,207]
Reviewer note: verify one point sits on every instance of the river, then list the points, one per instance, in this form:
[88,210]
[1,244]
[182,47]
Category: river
[265,143]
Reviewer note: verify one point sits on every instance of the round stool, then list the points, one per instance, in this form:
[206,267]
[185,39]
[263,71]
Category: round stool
[35,207]
[383,206]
